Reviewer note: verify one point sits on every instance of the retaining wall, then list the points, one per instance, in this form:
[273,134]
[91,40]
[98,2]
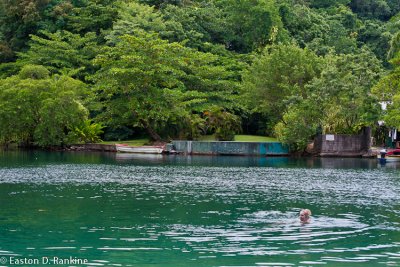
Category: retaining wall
[231,148]
[341,145]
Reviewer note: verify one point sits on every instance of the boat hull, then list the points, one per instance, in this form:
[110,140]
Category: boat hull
[139,149]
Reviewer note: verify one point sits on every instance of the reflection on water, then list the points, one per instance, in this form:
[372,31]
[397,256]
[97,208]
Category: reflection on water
[247,161]
[155,210]
[128,157]
[22,158]
[390,165]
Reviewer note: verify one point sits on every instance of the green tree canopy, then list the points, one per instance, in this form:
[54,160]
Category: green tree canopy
[134,17]
[91,16]
[62,52]
[345,91]
[252,24]
[17,20]
[339,101]
[323,31]
[150,83]
[278,77]
[162,66]
[39,109]
[388,88]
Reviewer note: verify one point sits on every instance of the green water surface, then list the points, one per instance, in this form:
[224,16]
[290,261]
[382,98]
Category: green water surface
[171,211]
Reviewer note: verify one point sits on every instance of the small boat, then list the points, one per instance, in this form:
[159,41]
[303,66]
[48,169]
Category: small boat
[139,149]
[389,156]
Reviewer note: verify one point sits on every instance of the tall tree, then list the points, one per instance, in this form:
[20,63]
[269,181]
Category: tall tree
[148,82]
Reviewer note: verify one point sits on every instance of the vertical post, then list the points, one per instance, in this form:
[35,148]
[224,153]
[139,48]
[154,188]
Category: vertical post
[189,147]
[367,138]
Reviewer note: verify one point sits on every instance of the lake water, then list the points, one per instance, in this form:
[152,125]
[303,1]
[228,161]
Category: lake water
[172,211]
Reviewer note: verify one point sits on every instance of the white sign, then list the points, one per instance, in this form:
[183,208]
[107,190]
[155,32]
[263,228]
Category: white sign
[330,137]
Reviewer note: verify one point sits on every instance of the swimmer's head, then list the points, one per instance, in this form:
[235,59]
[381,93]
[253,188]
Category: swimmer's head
[305,215]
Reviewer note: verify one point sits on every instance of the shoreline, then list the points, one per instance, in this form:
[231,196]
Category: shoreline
[372,153]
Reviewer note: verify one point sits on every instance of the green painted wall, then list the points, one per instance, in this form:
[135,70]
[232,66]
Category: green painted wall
[231,148]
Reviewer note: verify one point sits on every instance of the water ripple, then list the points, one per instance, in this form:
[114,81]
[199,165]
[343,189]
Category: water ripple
[121,215]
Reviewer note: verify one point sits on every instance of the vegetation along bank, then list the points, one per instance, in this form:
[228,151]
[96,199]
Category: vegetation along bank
[84,71]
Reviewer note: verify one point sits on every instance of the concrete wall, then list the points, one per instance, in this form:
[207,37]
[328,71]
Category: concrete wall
[231,148]
[343,145]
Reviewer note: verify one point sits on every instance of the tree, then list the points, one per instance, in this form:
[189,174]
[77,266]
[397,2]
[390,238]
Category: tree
[371,8]
[39,109]
[91,16]
[322,30]
[278,78]
[198,25]
[62,52]
[150,83]
[139,81]
[252,24]
[337,100]
[300,124]
[134,17]
[344,88]
[388,87]
[394,46]
[6,53]
[162,3]
[392,116]
[376,36]
[18,19]
[304,24]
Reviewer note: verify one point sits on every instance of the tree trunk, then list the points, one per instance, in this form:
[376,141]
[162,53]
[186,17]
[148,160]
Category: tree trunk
[153,134]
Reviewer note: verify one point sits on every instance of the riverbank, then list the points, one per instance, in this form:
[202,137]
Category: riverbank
[227,148]
[264,146]
[93,147]
[205,148]
[218,148]
[244,145]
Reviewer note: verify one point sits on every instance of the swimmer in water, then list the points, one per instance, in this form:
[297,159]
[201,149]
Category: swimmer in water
[305,215]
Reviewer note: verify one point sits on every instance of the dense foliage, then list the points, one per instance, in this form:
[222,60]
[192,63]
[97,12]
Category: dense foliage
[77,71]
[36,108]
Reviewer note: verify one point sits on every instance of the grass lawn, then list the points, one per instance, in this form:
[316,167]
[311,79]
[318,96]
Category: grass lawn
[254,138]
[242,138]
[134,142]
